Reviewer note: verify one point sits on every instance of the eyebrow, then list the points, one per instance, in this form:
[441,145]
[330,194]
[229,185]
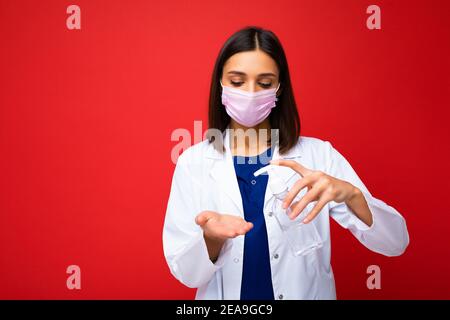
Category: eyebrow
[270,74]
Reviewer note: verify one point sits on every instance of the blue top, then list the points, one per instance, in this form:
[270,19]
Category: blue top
[256,275]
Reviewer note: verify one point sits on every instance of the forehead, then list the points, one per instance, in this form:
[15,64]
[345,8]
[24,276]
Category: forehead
[251,62]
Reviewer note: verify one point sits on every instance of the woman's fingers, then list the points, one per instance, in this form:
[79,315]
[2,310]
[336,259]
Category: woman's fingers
[296,188]
[225,226]
[247,227]
[294,165]
[243,226]
[310,196]
[317,208]
[237,232]
[200,220]
[203,217]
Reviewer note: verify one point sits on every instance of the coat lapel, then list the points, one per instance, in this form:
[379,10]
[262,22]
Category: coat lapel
[222,171]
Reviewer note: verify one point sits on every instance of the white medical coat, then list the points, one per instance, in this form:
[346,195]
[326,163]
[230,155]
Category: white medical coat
[204,179]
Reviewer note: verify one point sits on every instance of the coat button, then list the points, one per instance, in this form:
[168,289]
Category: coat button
[276,255]
[253,182]
[270,213]
[280,296]
[236,260]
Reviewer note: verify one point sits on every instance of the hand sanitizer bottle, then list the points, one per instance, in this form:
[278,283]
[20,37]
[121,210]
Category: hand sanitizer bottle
[303,238]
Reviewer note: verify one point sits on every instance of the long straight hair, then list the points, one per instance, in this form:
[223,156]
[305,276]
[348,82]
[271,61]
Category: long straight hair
[284,116]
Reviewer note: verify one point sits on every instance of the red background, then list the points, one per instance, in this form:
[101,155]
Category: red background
[87,115]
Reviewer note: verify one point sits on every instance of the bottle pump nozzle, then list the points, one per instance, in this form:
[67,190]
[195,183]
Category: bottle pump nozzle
[276,184]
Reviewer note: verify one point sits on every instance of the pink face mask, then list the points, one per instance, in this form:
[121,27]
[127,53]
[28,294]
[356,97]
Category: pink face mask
[248,108]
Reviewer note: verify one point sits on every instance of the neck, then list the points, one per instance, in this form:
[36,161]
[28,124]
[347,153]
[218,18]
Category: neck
[249,141]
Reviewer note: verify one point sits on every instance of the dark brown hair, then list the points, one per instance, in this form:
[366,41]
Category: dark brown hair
[284,116]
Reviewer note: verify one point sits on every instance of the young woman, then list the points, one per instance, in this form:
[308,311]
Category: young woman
[221,234]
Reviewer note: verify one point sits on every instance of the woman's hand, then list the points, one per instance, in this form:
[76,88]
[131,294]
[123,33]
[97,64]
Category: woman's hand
[218,226]
[322,188]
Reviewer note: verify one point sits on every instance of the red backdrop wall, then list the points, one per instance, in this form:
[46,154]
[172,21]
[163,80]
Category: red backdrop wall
[87,115]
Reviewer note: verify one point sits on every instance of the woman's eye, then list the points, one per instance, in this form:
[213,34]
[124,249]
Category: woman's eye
[264,85]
